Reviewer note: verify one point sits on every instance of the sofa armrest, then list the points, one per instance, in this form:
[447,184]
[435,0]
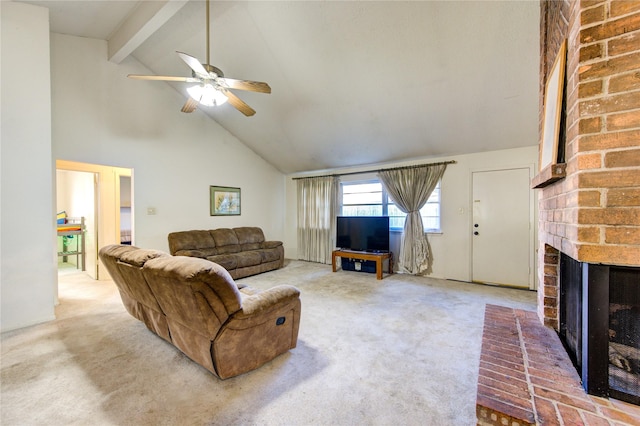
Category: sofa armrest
[271,244]
[266,325]
[266,300]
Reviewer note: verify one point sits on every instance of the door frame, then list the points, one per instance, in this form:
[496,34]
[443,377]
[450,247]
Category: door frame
[533,219]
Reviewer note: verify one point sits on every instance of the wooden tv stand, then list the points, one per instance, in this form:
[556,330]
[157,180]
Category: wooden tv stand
[363,255]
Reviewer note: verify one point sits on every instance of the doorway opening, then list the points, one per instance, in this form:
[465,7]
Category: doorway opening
[102,197]
[76,221]
[125,209]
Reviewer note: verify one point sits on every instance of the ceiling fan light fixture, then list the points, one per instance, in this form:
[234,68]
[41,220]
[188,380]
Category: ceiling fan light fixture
[207,95]
[213,89]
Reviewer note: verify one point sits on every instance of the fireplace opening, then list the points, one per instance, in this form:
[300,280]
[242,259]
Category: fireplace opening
[624,333]
[599,325]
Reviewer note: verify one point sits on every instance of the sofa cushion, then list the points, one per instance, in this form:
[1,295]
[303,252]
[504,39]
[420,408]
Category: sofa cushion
[227,261]
[248,258]
[202,253]
[250,246]
[190,240]
[249,238]
[226,240]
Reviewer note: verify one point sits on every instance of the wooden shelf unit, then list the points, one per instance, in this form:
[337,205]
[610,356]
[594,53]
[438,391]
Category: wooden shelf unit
[379,258]
[79,234]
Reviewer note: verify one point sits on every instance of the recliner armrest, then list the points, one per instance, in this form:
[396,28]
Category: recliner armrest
[266,300]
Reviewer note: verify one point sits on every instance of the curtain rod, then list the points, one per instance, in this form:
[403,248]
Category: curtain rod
[379,170]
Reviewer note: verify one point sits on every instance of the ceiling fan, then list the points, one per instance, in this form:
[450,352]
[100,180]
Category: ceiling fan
[212,87]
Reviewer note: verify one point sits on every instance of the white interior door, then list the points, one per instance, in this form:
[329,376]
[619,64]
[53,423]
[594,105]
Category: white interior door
[502,219]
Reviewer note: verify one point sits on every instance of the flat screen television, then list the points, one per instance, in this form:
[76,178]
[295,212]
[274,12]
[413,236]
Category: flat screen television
[363,233]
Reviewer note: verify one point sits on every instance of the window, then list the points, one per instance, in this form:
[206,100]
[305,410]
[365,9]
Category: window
[370,199]
[362,199]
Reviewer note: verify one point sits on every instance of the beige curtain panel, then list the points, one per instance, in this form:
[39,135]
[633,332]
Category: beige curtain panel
[410,189]
[317,204]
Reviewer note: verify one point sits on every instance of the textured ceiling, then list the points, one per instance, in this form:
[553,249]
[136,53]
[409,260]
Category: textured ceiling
[353,83]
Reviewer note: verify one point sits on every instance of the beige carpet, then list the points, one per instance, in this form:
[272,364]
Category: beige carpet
[403,350]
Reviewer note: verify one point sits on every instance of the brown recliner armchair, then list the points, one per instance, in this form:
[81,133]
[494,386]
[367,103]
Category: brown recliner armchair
[226,328]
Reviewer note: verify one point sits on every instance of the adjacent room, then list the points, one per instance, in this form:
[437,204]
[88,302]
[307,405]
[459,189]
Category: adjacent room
[320,212]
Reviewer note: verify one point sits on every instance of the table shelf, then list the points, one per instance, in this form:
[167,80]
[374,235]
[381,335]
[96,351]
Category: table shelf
[379,258]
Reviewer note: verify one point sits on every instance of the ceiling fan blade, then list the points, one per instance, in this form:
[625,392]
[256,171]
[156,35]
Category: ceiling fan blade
[164,78]
[252,86]
[239,104]
[190,105]
[194,64]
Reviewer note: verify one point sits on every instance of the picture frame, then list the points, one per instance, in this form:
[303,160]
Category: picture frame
[554,92]
[224,201]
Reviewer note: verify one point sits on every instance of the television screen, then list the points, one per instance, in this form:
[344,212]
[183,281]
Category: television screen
[363,233]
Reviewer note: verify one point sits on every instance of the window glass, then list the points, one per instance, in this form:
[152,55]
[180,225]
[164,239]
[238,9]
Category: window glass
[373,210]
[370,199]
[362,198]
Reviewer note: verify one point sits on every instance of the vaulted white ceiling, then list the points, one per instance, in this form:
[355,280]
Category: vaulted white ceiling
[353,82]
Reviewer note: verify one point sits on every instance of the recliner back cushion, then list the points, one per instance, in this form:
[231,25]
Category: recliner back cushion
[130,266]
[191,240]
[110,255]
[226,240]
[193,292]
[249,238]
[141,256]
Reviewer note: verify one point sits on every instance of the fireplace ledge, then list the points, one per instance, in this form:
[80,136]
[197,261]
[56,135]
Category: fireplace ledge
[526,377]
[550,174]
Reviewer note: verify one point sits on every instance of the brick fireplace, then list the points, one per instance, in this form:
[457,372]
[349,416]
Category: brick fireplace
[591,215]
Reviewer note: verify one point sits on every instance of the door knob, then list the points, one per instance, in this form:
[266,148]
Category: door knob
[476,233]
[475,225]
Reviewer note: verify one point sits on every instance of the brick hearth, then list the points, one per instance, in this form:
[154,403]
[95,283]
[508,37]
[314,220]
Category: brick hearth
[526,378]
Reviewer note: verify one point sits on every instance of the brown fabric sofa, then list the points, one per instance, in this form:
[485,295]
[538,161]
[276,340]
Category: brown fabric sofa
[194,304]
[241,251]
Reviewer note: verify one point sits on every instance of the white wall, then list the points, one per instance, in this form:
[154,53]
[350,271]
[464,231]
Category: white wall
[102,117]
[27,225]
[452,248]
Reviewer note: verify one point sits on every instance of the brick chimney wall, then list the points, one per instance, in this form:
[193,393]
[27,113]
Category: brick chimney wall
[593,214]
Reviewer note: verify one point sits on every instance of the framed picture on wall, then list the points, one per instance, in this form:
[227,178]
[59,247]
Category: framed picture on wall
[224,201]
[554,91]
